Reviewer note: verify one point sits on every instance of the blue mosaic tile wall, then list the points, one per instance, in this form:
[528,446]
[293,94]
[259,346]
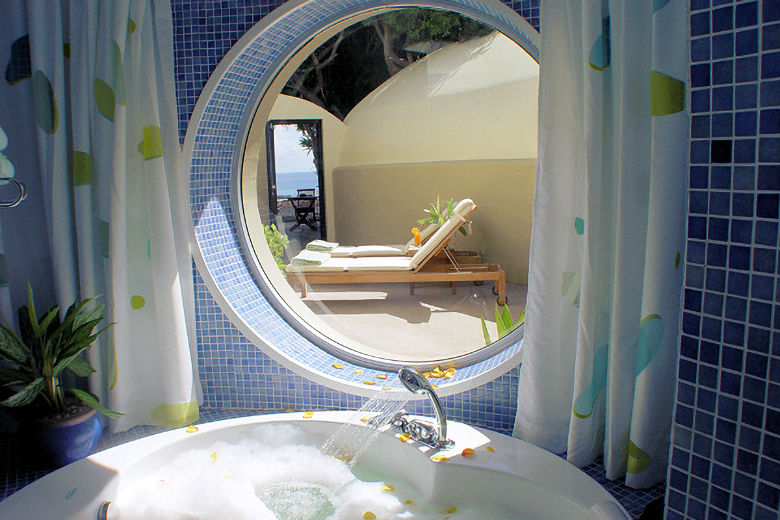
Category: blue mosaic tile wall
[725,460]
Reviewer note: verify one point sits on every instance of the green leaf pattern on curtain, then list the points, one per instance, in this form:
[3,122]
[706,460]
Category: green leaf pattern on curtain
[119,75]
[638,459]
[667,94]
[105,98]
[151,145]
[82,168]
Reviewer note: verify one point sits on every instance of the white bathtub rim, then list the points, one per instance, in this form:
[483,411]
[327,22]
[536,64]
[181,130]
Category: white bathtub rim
[512,457]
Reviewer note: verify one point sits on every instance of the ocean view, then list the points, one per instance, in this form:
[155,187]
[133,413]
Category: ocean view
[288,183]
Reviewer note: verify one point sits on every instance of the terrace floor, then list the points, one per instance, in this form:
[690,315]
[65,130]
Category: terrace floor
[430,324]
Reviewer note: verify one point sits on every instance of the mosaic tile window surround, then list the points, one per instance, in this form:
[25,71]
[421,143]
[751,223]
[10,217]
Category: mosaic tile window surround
[725,459]
[233,372]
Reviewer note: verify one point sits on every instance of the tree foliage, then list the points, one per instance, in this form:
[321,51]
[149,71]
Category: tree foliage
[351,64]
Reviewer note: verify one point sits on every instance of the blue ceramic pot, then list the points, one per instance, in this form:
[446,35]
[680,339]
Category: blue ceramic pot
[70,440]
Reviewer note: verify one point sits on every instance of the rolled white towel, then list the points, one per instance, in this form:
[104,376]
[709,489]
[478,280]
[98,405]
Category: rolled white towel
[307,257]
[321,245]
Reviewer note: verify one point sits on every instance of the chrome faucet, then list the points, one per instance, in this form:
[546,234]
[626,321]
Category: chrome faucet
[433,435]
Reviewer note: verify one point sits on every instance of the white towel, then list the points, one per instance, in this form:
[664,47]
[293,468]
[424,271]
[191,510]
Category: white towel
[321,245]
[307,257]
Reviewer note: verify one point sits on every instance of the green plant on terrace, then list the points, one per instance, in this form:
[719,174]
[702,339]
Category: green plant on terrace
[277,243]
[504,323]
[438,215]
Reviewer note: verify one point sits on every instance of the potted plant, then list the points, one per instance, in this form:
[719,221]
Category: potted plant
[32,364]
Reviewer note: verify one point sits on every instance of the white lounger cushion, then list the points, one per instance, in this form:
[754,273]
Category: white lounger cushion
[343,264]
[331,265]
[400,250]
[359,251]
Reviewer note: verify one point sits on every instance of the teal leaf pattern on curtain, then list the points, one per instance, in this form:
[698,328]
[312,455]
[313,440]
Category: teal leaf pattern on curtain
[585,401]
[658,4]
[19,67]
[651,333]
[579,225]
[600,53]
[570,287]
[44,103]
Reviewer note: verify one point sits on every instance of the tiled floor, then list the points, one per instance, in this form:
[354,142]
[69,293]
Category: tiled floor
[19,469]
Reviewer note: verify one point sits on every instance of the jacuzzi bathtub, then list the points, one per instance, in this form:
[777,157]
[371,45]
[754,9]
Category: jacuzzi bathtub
[504,472]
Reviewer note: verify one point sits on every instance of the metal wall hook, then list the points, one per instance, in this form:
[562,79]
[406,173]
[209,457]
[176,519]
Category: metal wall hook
[19,198]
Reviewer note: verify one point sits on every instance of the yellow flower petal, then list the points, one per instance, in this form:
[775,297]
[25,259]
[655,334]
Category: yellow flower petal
[289,410]
[214,456]
[381,376]
[452,509]
[307,415]
[404,437]
[369,515]
[388,487]
[192,428]
[358,370]
[491,449]
[439,458]
[409,502]
[338,365]
[467,452]
[369,382]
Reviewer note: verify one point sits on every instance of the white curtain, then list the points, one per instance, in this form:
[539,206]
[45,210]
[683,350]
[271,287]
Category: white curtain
[6,170]
[598,375]
[101,76]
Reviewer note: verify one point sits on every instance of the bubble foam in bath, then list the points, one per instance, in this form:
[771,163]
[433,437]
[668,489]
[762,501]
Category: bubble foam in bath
[277,473]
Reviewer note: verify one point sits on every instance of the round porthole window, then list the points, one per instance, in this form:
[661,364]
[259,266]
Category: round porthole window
[362,179]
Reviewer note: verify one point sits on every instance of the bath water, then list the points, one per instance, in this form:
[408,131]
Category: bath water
[279,473]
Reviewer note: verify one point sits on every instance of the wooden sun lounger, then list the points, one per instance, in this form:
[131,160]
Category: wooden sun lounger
[427,268]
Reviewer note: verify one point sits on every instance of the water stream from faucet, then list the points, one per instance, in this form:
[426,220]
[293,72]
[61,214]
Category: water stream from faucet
[352,439]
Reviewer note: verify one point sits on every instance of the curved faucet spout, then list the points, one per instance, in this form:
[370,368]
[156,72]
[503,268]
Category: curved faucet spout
[418,384]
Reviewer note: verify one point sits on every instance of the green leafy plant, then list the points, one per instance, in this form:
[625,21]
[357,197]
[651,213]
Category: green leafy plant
[33,364]
[438,215]
[504,323]
[277,243]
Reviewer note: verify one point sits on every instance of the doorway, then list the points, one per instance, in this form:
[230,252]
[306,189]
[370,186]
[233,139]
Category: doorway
[296,181]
